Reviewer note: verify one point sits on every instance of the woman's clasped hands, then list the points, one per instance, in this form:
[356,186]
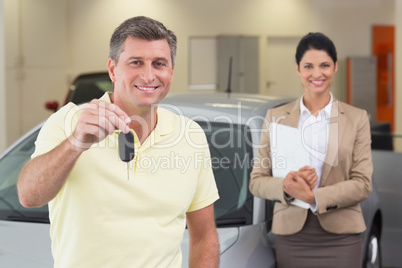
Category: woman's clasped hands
[301,183]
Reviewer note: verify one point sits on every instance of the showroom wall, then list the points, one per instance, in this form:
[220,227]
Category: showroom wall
[3,123]
[35,56]
[347,22]
[48,42]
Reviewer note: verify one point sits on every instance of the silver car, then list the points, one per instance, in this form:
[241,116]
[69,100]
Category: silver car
[232,124]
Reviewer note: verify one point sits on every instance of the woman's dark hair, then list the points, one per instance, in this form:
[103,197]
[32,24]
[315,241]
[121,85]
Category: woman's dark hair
[316,41]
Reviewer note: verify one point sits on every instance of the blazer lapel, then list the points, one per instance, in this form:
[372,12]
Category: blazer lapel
[293,115]
[337,128]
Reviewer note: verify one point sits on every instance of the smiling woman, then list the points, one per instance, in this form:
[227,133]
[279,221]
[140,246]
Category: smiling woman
[316,64]
[328,234]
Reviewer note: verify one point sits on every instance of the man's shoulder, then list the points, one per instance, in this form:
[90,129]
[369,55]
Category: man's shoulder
[178,125]
[175,119]
[67,112]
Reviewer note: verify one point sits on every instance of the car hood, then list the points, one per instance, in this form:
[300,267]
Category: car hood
[28,244]
[25,245]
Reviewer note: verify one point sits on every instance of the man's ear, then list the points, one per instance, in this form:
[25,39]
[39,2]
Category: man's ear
[111,68]
[171,76]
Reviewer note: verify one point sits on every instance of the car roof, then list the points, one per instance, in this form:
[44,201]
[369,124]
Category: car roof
[220,106]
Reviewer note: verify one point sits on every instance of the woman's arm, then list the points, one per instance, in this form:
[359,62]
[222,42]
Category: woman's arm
[357,172]
[262,183]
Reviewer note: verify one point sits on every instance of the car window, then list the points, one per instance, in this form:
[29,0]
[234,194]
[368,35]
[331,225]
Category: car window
[88,88]
[10,168]
[231,162]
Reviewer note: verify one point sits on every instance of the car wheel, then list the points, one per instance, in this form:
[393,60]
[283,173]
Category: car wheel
[372,254]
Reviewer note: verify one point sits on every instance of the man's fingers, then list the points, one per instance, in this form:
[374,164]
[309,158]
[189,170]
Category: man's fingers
[117,122]
[99,119]
[111,113]
[113,108]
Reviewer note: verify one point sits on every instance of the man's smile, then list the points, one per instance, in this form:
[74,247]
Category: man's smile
[147,88]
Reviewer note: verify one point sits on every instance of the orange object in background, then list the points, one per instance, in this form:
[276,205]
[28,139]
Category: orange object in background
[383,41]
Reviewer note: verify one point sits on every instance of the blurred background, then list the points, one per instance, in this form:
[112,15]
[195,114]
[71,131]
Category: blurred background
[44,44]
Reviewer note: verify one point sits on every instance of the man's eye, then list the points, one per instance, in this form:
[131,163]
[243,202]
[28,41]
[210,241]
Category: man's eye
[307,67]
[160,64]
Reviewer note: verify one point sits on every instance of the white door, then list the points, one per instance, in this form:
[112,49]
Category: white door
[282,79]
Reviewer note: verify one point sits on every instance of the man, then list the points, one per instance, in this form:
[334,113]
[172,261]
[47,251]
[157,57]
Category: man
[98,217]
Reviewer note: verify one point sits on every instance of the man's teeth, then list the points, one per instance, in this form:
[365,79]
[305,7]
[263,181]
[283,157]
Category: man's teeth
[147,88]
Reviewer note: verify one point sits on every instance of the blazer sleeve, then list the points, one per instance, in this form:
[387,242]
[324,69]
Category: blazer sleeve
[350,182]
[262,183]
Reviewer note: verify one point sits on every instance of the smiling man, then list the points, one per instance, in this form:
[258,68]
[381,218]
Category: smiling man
[98,217]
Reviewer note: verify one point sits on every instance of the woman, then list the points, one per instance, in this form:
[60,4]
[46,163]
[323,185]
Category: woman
[329,233]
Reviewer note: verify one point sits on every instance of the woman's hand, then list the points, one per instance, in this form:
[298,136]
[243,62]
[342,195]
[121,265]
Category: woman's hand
[309,175]
[296,186]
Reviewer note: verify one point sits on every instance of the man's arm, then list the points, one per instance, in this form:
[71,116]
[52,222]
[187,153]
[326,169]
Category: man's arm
[204,243]
[44,176]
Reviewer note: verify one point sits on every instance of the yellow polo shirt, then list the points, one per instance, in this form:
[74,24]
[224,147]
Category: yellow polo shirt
[101,219]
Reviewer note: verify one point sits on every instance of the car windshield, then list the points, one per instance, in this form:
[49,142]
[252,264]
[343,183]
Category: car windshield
[10,167]
[231,162]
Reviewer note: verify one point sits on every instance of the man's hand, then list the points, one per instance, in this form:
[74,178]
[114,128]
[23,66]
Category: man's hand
[98,119]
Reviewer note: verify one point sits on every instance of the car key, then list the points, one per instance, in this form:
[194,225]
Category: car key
[126,149]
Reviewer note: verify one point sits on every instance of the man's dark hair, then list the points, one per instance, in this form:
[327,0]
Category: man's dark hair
[142,28]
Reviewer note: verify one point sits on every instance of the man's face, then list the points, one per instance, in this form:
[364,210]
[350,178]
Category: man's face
[143,74]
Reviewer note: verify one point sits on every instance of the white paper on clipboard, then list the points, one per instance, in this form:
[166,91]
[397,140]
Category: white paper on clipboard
[287,153]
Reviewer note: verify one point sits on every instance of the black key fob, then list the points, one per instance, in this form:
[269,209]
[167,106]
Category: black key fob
[126,146]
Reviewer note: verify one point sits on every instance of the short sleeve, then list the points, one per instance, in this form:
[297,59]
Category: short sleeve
[207,191]
[57,128]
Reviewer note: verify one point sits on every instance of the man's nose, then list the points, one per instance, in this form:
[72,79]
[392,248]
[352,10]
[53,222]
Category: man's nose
[147,73]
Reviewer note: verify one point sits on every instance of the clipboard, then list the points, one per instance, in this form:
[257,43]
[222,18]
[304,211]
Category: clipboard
[288,153]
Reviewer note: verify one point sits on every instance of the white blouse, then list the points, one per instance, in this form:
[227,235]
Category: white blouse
[315,132]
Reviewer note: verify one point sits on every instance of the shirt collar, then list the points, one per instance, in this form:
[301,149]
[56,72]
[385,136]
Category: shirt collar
[164,124]
[326,110]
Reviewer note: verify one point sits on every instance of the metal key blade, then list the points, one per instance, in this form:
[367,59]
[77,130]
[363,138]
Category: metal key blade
[128,171]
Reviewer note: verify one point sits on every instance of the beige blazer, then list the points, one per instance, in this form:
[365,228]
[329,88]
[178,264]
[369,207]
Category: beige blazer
[346,175]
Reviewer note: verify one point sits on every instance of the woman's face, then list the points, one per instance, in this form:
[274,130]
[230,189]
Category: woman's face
[316,70]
